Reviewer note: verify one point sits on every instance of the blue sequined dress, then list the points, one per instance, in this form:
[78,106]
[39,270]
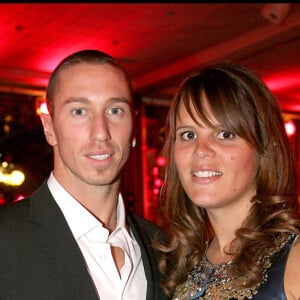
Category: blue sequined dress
[223,289]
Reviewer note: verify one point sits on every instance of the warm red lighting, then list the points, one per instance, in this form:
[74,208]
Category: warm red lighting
[156,191]
[19,197]
[285,86]
[282,81]
[290,128]
[158,182]
[161,161]
[155,171]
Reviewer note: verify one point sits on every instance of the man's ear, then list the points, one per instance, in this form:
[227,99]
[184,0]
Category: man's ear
[49,132]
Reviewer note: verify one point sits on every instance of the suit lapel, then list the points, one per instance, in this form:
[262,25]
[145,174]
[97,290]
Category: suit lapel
[148,258]
[56,239]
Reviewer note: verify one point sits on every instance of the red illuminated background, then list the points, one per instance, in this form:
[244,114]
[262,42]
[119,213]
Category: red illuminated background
[158,44]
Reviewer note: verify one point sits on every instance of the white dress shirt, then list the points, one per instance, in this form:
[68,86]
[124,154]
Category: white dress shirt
[94,241]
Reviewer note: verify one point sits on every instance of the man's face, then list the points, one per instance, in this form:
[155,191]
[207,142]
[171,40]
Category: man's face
[92,124]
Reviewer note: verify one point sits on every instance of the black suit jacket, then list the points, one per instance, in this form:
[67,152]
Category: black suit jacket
[40,259]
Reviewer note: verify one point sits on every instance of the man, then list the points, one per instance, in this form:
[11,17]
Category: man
[72,238]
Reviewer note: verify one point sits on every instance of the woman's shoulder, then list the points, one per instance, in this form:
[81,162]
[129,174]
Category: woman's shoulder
[292,272]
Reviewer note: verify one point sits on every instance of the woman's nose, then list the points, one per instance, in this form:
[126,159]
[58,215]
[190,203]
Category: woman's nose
[203,149]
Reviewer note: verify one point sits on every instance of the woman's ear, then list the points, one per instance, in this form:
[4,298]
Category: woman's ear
[47,123]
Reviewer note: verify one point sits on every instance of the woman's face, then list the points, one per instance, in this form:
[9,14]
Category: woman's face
[216,168]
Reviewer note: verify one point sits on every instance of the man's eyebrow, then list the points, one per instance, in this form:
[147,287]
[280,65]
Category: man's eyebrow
[86,100]
[77,100]
[120,99]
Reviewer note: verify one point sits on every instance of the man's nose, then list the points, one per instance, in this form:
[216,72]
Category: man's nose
[100,129]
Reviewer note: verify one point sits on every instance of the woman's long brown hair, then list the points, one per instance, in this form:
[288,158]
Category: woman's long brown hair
[242,103]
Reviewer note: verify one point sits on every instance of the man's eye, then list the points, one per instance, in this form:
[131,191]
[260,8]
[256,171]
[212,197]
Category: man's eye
[115,111]
[188,135]
[226,135]
[78,112]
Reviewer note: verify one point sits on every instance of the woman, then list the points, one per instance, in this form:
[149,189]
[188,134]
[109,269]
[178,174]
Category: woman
[229,197]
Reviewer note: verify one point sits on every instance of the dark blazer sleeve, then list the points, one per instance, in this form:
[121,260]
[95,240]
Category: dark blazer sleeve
[39,257]
[144,232]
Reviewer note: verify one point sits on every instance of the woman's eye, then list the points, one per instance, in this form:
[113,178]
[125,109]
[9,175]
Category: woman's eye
[188,135]
[226,135]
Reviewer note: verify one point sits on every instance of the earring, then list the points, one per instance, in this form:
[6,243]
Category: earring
[133,142]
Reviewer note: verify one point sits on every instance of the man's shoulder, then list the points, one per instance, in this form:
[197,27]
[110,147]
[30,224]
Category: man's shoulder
[144,222]
[14,210]
[145,225]
[14,221]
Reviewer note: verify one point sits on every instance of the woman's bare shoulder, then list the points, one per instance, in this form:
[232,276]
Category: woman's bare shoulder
[292,273]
